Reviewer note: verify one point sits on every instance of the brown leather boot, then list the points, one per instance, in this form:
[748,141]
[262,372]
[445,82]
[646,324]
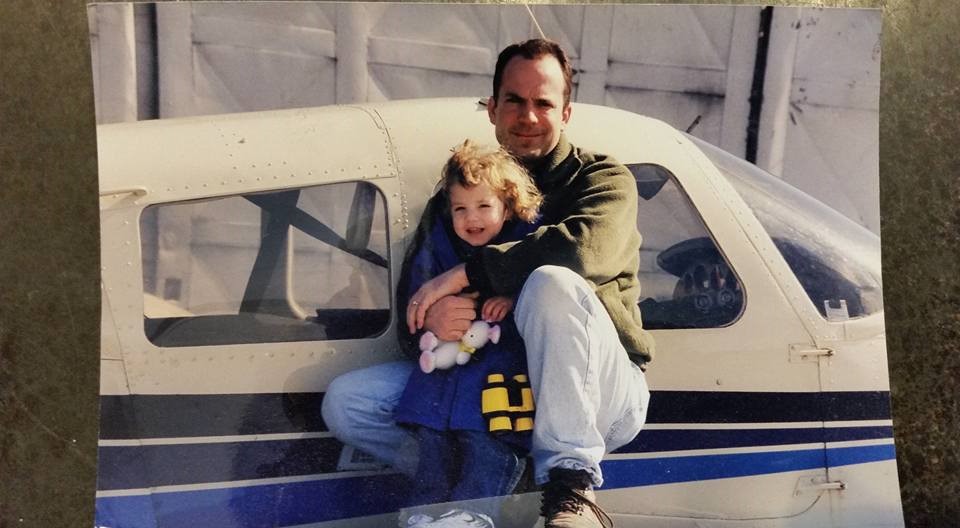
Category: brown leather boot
[568,501]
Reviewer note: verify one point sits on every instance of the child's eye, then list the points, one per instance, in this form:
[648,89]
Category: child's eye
[484,206]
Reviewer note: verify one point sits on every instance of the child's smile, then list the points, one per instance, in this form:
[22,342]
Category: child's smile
[477,212]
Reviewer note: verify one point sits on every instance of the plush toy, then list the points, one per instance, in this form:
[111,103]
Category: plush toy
[436,354]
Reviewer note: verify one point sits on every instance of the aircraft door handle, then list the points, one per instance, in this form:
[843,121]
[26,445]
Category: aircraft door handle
[115,197]
[135,191]
[817,485]
[802,353]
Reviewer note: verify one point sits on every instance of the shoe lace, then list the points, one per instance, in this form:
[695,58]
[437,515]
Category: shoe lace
[559,496]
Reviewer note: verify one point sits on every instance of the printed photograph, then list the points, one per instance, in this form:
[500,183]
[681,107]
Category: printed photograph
[463,265]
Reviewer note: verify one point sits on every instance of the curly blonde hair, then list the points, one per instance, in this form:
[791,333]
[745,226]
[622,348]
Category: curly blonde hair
[472,164]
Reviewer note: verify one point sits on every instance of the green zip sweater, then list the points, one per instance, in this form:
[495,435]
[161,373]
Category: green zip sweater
[588,225]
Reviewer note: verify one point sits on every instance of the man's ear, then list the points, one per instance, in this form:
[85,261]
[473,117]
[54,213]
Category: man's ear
[491,108]
[567,110]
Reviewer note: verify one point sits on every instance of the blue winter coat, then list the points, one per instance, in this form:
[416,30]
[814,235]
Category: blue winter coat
[451,399]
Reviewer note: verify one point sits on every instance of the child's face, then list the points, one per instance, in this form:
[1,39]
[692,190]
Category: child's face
[478,213]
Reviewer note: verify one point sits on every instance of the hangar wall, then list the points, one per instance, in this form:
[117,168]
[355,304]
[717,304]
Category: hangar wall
[687,65]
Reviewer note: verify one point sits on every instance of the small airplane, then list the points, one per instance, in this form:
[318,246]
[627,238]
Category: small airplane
[249,259]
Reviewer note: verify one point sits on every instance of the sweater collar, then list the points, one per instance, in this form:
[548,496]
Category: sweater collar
[556,168]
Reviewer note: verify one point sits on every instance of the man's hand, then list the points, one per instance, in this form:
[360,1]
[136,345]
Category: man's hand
[450,282]
[451,316]
[496,308]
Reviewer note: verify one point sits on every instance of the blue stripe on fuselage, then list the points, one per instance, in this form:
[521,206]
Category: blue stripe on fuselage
[134,467]
[652,471]
[258,506]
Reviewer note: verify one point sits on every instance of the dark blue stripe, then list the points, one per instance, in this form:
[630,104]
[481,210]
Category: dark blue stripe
[759,407]
[163,416]
[132,467]
[326,500]
[846,434]
[179,415]
[649,441]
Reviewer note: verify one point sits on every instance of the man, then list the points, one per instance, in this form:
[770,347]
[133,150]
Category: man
[576,309]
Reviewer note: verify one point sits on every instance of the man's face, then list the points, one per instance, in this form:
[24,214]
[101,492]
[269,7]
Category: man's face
[529,112]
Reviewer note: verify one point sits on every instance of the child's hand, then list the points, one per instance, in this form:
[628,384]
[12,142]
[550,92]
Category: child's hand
[496,308]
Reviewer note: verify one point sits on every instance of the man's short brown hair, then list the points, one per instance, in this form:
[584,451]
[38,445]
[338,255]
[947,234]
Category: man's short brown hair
[531,49]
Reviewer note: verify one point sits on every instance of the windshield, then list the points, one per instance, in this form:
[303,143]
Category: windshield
[836,261]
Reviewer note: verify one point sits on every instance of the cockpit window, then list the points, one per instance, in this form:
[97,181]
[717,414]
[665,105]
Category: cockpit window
[295,265]
[685,279]
[836,261]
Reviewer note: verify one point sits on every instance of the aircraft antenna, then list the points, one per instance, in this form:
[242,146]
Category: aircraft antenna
[534,19]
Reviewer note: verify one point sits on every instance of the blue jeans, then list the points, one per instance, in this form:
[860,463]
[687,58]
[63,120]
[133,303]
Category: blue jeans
[463,465]
[590,398]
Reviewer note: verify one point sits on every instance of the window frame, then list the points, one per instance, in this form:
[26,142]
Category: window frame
[252,327]
[693,245]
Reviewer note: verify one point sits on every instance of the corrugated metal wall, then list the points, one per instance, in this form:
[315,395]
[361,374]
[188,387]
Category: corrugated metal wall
[819,121]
